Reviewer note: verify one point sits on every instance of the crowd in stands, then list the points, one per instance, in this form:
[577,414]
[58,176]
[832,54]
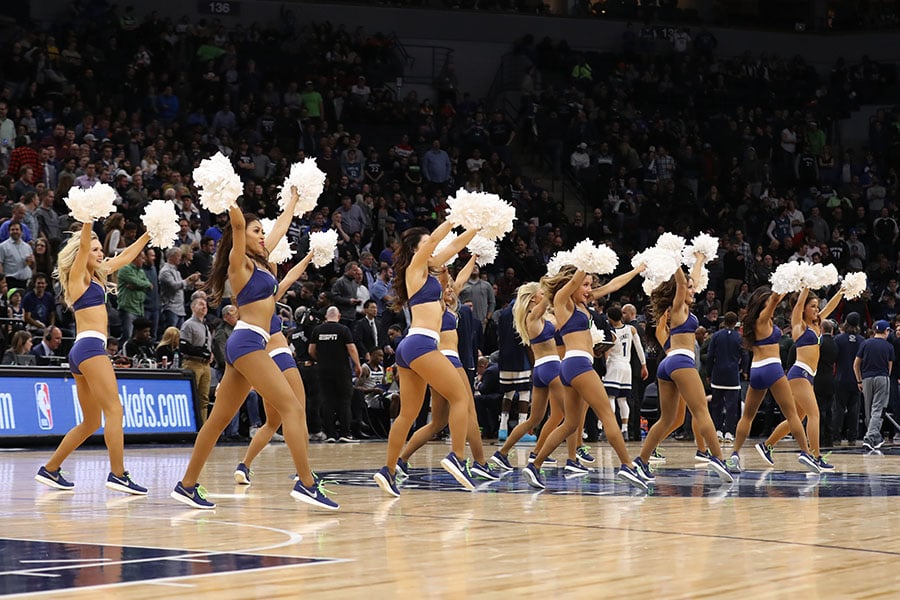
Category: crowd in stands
[679,140]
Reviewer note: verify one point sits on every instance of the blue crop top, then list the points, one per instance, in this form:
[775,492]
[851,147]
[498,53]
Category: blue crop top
[548,333]
[431,291]
[275,325]
[260,286]
[689,326]
[94,295]
[772,339]
[577,322]
[808,338]
[448,320]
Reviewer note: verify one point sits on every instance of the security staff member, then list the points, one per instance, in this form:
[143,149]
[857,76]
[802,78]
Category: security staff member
[332,347]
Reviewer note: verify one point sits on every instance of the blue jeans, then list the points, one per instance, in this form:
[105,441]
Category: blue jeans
[252,404]
[127,321]
[153,317]
[170,319]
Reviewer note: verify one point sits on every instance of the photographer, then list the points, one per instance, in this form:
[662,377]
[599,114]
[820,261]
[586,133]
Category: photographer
[196,349]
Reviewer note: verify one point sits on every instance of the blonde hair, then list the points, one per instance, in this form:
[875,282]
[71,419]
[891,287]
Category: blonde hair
[65,260]
[170,337]
[522,307]
[553,283]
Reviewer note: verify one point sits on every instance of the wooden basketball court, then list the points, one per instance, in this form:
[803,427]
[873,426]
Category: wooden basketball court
[775,533]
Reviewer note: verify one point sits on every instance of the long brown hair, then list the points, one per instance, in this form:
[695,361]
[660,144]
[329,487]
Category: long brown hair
[215,286]
[409,241]
[553,283]
[755,306]
[661,298]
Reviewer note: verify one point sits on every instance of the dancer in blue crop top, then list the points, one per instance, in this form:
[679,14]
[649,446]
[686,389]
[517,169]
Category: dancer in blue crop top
[82,274]
[440,407]
[677,376]
[418,360]
[806,323]
[242,258]
[569,291]
[766,374]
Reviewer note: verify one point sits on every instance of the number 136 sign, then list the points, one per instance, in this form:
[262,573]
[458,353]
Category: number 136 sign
[223,8]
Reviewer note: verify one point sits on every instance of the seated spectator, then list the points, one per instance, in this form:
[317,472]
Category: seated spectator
[39,305]
[167,348]
[19,352]
[488,396]
[139,348]
[52,338]
[112,351]
[14,309]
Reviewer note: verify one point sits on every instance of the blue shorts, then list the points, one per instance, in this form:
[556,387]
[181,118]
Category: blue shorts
[418,342]
[674,360]
[88,344]
[283,358]
[801,371]
[245,339]
[765,373]
[453,357]
[545,371]
[573,364]
[275,325]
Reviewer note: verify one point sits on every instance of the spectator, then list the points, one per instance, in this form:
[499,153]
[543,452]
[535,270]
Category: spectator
[16,258]
[344,293]
[367,332]
[480,294]
[18,218]
[872,367]
[171,289]
[436,166]
[139,348]
[195,345]
[52,338]
[49,223]
[39,305]
[20,347]
[166,352]
[845,413]
[133,286]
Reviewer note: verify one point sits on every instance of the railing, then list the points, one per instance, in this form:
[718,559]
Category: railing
[422,64]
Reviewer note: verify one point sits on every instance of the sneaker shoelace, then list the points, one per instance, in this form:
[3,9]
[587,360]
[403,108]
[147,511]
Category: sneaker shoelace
[201,491]
[658,452]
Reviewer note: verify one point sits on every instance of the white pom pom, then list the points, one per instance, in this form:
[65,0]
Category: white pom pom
[91,204]
[706,245]
[787,278]
[282,251]
[854,285]
[220,185]
[594,259]
[161,222]
[442,245]
[597,335]
[477,210]
[485,250]
[816,277]
[671,242]
[308,180]
[702,280]
[661,263]
[322,244]
[558,261]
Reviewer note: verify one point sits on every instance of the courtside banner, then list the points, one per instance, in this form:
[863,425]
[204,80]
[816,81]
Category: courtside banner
[39,402]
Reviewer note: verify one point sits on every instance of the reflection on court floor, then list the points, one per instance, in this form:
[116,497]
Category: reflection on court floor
[28,566]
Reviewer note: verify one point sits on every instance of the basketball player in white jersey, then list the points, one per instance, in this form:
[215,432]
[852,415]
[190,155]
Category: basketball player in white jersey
[617,380]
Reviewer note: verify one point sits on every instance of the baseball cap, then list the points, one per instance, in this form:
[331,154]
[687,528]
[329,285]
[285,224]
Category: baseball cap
[882,326]
[853,319]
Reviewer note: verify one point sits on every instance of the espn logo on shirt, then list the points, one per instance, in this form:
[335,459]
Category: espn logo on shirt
[44,408]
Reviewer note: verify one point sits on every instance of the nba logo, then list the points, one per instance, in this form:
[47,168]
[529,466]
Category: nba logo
[45,412]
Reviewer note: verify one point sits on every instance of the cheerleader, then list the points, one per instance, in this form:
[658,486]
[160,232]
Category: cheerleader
[440,407]
[83,272]
[806,323]
[570,291]
[677,376]
[419,361]
[242,259]
[536,328]
[761,336]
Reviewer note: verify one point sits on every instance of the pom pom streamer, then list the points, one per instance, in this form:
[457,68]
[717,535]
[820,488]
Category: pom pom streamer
[787,278]
[322,244]
[486,212]
[706,245]
[558,261]
[601,260]
[485,250]
[854,285]
[161,222]
[91,204]
[282,251]
[442,245]
[816,277]
[702,280]
[308,180]
[670,241]
[597,335]
[661,264]
[220,185]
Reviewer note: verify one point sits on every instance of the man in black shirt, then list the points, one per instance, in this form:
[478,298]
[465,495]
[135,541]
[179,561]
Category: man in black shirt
[823,385]
[332,347]
[306,322]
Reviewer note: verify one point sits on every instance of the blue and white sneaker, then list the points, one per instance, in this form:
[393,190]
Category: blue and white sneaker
[387,482]
[125,484]
[54,479]
[501,462]
[452,465]
[314,495]
[629,475]
[765,451]
[194,496]
[809,462]
[549,461]
[529,438]
[656,456]
[533,477]
[702,456]
[484,471]
[402,469]
[242,474]
[502,435]
[733,463]
[584,456]
[573,466]
[720,468]
[823,465]
[643,470]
